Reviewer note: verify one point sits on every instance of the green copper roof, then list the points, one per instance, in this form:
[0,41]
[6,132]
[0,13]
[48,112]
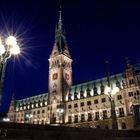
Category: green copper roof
[97,83]
[37,98]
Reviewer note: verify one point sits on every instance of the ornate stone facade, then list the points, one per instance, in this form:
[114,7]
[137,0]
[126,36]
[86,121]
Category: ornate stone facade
[81,105]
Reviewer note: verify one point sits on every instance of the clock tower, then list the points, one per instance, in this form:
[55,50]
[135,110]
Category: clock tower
[60,76]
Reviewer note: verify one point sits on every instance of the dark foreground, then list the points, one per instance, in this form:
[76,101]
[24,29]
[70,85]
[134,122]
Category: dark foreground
[14,131]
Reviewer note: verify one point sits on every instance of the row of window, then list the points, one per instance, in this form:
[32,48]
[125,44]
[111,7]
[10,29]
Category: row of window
[34,122]
[96,101]
[38,112]
[29,106]
[90,116]
[88,103]
[82,96]
[34,113]
[131,81]
[130,94]
[88,91]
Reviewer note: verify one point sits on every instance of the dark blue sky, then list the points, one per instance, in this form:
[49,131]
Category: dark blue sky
[95,31]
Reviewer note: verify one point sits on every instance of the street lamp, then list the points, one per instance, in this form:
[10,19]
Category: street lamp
[8,48]
[29,117]
[60,111]
[110,91]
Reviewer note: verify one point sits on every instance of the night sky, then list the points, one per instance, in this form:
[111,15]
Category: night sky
[95,31]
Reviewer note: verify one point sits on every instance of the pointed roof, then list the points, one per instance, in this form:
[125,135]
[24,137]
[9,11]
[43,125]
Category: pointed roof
[60,44]
[60,20]
[13,97]
[128,63]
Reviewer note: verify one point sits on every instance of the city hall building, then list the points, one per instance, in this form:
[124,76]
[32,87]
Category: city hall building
[83,105]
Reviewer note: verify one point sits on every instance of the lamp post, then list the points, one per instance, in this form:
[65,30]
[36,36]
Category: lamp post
[110,92]
[8,48]
[60,111]
[29,117]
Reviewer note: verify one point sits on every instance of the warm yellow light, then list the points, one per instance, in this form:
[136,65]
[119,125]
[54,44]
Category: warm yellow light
[2,49]
[115,90]
[107,90]
[15,50]
[11,40]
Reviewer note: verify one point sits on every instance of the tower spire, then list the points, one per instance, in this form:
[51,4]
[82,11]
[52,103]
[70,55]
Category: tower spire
[60,20]
[60,38]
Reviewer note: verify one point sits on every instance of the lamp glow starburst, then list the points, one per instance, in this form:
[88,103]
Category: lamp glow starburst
[11,40]
[15,50]
[8,48]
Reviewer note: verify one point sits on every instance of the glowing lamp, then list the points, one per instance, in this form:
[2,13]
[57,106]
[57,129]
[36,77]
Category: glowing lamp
[107,90]
[115,90]
[110,91]
[57,110]
[15,50]
[62,110]
[11,40]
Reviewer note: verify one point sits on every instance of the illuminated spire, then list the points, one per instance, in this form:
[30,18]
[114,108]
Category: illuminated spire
[60,38]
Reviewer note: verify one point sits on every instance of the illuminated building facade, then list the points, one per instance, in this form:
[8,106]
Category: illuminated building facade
[81,105]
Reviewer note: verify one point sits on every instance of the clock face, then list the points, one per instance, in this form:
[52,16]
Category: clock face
[55,76]
[67,76]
